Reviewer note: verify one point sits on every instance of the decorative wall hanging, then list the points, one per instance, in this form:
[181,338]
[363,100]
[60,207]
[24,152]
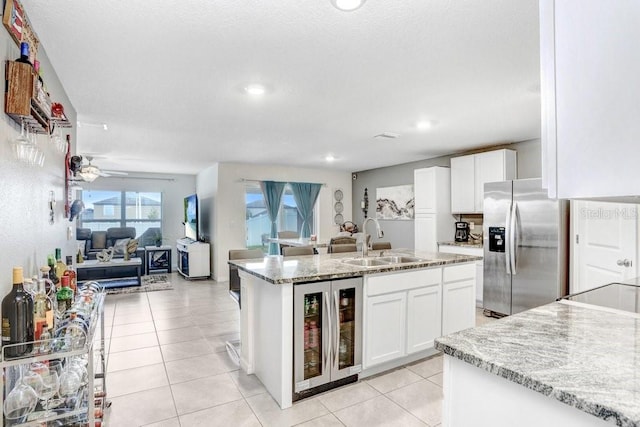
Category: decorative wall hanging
[365,203]
[395,202]
[338,207]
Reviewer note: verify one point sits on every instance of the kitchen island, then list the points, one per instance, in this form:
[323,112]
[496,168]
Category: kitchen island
[562,364]
[407,300]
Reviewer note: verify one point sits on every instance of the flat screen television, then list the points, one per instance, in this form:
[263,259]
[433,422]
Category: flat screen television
[191,217]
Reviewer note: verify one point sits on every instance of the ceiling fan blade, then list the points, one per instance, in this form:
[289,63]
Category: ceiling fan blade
[109,173]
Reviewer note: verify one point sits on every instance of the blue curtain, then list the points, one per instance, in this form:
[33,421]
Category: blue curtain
[305,195]
[272,192]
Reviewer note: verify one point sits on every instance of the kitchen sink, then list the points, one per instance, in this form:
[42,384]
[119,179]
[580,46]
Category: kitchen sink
[366,262]
[400,259]
[381,261]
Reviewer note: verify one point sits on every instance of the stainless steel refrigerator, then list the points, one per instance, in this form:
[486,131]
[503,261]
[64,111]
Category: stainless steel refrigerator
[526,246]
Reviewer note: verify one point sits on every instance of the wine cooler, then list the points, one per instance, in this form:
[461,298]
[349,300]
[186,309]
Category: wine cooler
[327,335]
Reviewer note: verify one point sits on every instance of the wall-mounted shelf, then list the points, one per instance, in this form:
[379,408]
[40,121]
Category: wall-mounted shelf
[20,100]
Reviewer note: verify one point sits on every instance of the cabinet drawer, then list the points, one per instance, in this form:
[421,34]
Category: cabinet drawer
[460,250]
[459,272]
[396,282]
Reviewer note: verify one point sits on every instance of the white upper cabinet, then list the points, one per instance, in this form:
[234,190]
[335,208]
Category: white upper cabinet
[463,184]
[470,173]
[590,92]
[432,188]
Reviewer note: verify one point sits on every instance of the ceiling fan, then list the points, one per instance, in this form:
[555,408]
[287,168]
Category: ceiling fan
[89,172]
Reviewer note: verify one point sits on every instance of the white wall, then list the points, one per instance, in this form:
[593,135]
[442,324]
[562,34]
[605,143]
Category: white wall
[26,236]
[174,189]
[224,183]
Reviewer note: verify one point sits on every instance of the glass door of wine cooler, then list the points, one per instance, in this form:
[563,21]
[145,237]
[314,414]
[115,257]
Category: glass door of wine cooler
[327,327]
[311,314]
[347,346]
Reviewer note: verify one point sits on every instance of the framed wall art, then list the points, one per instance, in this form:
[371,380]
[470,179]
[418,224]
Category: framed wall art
[395,202]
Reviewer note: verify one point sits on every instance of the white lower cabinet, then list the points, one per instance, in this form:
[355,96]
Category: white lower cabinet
[458,298]
[402,314]
[464,250]
[385,327]
[423,317]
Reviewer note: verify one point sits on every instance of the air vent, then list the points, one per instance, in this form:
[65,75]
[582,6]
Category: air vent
[389,135]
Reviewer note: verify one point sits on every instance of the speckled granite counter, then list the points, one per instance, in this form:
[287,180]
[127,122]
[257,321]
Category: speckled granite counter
[583,357]
[299,269]
[468,244]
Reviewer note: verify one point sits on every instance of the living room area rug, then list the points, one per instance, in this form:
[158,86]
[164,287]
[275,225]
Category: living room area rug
[151,283]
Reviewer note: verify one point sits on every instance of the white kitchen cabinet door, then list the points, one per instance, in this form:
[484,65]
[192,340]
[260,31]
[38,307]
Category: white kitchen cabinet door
[425,227]
[432,189]
[385,328]
[492,166]
[424,188]
[424,317]
[463,184]
[458,298]
[463,250]
[590,87]
[470,173]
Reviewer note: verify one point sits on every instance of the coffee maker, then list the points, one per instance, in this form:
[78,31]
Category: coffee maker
[462,231]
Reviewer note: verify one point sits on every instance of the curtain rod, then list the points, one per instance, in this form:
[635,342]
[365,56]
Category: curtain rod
[324,184]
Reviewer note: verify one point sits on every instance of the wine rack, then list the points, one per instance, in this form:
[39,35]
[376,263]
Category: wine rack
[22,102]
[89,402]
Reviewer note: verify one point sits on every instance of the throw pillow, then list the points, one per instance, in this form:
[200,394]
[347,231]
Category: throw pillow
[120,246]
[132,246]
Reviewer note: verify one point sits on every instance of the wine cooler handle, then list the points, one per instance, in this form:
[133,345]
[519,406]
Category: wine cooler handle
[336,318]
[326,346]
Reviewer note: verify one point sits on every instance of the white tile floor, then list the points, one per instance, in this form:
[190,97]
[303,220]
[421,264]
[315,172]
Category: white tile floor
[167,366]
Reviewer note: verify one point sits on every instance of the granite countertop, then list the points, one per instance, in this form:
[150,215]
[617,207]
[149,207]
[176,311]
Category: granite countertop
[467,244]
[582,356]
[313,268]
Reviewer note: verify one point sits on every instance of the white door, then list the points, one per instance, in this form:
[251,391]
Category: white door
[604,243]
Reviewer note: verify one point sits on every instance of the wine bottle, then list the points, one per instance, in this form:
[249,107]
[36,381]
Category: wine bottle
[69,271]
[51,262]
[17,316]
[24,54]
[60,266]
[52,298]
[65,295]
[40,304]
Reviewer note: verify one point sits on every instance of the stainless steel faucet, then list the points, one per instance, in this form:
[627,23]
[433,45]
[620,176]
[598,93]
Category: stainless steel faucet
[379,232]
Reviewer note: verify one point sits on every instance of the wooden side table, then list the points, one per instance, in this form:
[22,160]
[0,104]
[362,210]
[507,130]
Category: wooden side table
[157,259]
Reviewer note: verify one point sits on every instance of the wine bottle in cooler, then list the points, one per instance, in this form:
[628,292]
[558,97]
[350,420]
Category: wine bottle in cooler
[17,318]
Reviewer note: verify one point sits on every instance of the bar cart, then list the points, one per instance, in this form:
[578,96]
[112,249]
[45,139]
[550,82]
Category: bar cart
[60,381]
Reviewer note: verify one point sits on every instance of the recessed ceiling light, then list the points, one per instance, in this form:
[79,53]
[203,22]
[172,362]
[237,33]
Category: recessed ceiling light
[255,90]
[347,5]
[330,158]
[424,125]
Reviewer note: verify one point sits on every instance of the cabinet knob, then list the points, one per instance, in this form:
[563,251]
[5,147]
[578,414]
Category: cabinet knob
[624,262]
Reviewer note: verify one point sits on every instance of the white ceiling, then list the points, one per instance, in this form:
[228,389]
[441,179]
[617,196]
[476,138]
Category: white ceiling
[167,77]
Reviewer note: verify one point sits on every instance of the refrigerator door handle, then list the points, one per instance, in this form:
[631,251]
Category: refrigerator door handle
[507,238]
[326,346]
[337,331]
[512,238]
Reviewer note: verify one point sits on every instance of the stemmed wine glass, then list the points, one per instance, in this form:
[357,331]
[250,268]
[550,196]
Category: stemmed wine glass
[23,398]
[51,384]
